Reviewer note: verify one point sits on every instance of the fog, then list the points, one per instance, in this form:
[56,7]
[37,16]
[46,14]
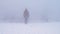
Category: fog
[44,17]
[37,9]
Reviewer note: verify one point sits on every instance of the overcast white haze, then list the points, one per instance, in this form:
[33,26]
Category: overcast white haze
[44,17]
[37,9]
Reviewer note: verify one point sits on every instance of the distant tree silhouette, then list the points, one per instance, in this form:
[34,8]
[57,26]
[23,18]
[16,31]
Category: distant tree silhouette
[26,15]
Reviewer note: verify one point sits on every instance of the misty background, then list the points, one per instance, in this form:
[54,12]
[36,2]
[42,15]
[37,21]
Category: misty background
[39,10]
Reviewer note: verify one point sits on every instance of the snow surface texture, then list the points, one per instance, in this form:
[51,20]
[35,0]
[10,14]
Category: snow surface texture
[30,28]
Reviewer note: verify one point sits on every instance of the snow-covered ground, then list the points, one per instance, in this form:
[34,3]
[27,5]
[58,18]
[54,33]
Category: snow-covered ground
[30,28]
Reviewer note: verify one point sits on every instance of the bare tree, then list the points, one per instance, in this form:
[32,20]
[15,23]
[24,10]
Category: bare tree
[26,15]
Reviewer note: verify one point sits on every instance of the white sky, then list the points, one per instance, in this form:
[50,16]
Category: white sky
[36,7]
